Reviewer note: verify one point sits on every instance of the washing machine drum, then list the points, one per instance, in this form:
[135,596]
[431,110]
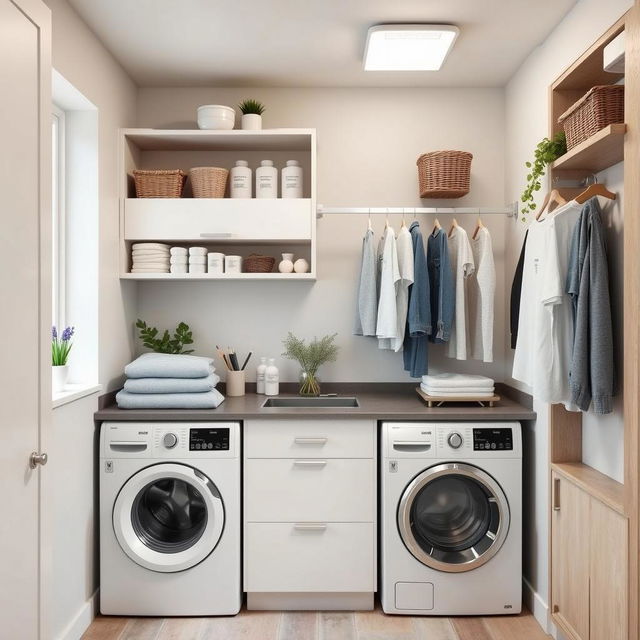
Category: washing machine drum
[168,517]
[453,517]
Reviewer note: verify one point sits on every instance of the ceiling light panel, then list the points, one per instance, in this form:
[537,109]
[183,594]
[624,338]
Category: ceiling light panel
[408,47]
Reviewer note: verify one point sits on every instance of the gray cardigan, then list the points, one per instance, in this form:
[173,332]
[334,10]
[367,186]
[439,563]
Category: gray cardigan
[592,373]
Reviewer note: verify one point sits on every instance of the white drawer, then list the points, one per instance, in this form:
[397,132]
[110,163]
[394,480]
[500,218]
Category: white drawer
[338,490]
[212,220]
[309,438]
[309,557]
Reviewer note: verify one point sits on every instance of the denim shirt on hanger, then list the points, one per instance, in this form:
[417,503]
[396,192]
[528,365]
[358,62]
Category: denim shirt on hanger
[441,284]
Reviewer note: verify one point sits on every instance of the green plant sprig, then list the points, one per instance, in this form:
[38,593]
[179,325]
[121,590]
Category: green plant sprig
[311,356]
[166,343]
[545,153]
[251,106]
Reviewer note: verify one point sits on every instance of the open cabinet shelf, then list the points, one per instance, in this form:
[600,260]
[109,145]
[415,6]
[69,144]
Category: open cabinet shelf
[599,152]
[210,276]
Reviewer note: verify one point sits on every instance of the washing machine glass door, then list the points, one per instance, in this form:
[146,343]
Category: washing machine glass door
[453,517]
[168,517]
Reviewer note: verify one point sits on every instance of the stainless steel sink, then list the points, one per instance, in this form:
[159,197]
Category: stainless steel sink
[311,403]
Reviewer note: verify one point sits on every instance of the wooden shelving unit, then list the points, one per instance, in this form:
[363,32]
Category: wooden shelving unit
[209,276]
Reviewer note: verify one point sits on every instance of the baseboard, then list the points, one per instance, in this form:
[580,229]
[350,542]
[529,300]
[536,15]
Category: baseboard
[538,607]
[82,620]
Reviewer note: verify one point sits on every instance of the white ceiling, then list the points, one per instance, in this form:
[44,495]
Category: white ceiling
[299,43]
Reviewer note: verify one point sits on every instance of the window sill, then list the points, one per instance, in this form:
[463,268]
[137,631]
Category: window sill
[74,392]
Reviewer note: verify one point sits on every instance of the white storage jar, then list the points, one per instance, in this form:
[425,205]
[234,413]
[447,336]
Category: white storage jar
[291,180]
[241,180]
[266,180]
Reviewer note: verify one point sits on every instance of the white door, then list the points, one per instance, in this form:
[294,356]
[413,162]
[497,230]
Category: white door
[25,294]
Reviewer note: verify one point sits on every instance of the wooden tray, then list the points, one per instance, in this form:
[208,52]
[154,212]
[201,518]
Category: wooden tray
[438,401]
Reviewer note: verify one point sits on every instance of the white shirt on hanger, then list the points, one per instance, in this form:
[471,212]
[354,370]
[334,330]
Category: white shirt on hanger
[482,288]
[463,266]
[404,252]
[387,324]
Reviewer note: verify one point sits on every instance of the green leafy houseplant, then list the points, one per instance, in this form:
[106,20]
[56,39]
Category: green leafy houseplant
[251,106]
[166,343]
[310,357]
[545,153]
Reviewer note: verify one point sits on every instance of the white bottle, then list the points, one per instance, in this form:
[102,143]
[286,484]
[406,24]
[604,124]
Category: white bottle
[266,180]
[271,379]
[260,371]
[241,180]
[291,180]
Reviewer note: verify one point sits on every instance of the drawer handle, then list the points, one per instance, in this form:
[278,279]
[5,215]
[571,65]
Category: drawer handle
[310,463]
[407,445]
[310,440]
[310,526]
[556,494]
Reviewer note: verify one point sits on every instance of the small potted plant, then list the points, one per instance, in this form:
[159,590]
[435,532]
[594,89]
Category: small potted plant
[252,111]
[310,357]
[165,343]
[60,348]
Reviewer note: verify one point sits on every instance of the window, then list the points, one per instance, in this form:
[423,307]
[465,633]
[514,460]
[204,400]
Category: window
[58,217]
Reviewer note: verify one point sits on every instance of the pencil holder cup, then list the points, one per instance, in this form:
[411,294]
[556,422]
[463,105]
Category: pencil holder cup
[235,383]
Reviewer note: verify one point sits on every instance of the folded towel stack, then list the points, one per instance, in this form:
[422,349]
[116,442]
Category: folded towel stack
[178,260]
[197,260]
[168,381]
[457,385]
[150,257]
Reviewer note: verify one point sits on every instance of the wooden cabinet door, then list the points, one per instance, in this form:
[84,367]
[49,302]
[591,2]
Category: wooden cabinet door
[570,545]
[608,569]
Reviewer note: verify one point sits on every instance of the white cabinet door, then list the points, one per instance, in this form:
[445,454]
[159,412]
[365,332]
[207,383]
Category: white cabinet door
[25,322]
[309,557]
[331,490]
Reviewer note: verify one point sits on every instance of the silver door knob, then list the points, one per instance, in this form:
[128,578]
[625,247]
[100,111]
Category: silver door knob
[36,459]
[170,440]
[455,440]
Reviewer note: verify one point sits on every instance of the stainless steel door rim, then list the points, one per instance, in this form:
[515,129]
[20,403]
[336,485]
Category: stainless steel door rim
[458,559]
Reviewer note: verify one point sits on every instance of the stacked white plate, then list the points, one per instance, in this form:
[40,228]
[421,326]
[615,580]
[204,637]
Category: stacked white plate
[150,257]
[197,260]
[178,260]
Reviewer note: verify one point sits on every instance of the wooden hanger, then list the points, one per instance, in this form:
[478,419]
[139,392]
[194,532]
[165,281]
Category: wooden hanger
[369,227]
[479,226]
[454,225]
[596,189]
[436,226]
[552,197]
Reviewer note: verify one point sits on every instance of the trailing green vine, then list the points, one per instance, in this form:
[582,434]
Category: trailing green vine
[545,153]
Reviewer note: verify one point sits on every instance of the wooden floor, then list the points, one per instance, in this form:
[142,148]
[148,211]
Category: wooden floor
[365,625]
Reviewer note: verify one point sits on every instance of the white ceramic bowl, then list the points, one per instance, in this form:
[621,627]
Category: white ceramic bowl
[216,116]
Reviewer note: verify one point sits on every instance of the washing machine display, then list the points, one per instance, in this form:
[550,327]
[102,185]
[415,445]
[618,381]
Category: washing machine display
[492,439]
[208,439]
[453,517]
[168,517]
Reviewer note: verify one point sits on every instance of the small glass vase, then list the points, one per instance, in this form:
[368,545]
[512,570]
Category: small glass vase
[309,384]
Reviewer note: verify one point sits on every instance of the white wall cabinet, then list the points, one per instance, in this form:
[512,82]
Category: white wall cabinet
[310,514]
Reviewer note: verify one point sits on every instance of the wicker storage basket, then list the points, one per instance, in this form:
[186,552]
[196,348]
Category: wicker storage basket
[258,264]
[597,109]
[159,183]
[444,174]
[208,182]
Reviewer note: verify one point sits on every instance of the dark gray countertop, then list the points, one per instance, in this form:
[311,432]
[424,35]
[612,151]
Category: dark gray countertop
[377,401]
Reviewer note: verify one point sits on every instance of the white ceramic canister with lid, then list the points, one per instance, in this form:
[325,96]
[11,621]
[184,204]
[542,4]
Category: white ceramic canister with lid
[241,180]
[291,186]
[266,180]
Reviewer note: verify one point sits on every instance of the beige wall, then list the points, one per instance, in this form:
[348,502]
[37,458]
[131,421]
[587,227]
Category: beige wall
[368,142]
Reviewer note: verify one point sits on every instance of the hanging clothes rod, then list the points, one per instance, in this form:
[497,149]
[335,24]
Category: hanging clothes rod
[511,211]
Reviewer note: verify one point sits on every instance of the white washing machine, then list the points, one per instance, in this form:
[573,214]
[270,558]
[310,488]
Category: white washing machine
[451,522]
[170,519]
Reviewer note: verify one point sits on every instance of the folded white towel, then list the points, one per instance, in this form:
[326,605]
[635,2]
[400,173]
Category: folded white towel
[458,394]
[197,268]
[179,251]
[150,245]
[143,253]
[466,390]
[197,251]
[178,268]
[178,260]
[147,259]
[152,265]
[141,270]
[197,260]
[457,380]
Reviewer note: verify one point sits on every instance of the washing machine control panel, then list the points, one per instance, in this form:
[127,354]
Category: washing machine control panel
[500,439]
[209,439]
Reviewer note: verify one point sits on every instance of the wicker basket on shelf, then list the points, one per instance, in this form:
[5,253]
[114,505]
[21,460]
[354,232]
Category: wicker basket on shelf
[258,264]
[208,182]
[444,174]
[598,108]
[159,183]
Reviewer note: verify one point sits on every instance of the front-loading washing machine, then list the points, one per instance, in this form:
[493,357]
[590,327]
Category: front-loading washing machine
[451,521]
[170,519]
